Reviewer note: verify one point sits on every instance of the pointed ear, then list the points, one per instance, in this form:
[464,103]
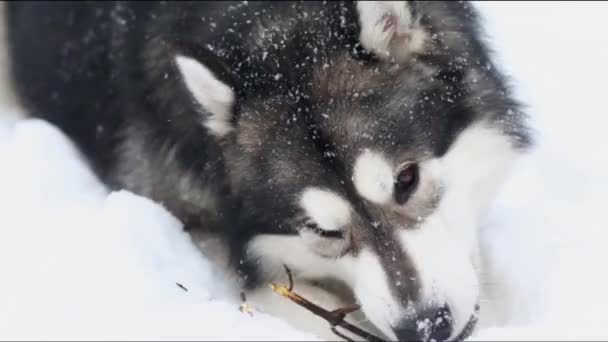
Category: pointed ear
[214,96]
[389,30]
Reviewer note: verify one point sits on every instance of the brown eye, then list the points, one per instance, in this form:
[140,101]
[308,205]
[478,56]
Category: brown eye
[406,182]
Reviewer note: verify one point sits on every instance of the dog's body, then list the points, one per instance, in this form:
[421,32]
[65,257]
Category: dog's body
[359,142]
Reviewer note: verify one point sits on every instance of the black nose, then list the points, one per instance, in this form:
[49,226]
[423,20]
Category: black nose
[428,325]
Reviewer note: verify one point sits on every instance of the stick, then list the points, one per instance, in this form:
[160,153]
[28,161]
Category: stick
[335,318]
[244,307]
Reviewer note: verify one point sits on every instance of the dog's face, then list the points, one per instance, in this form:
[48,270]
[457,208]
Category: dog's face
[372,167]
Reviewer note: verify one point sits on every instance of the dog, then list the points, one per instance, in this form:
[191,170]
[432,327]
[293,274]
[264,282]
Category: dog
[357,143]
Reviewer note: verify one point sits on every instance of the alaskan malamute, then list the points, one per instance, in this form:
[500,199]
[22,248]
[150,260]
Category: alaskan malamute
[358,143]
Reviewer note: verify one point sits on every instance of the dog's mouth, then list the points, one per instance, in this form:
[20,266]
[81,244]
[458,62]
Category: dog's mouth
[468,329]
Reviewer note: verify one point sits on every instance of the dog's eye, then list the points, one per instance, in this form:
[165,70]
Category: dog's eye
[326,243]
[406,182]
[330,234]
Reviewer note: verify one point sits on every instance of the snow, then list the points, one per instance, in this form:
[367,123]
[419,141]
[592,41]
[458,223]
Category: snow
[548,228]
[79,262]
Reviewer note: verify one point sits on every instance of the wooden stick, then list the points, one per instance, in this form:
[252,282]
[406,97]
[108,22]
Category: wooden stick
[245,307]
[335,318]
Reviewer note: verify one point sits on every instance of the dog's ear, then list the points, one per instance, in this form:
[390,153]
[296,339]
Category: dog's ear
[389,30]
[214,96]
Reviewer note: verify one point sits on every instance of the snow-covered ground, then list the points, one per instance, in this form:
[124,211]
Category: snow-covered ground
[74,262]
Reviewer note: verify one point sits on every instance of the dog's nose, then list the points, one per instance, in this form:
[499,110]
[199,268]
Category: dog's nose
[429,325]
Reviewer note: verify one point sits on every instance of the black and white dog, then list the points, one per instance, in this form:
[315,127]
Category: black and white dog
[358,143]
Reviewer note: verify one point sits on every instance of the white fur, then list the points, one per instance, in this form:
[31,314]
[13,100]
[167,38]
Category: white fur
[475,166]
[373,292]
[388,29]
[444,267]
[214,96]
[444,248]
[373,177]
[273,250]
[327,209]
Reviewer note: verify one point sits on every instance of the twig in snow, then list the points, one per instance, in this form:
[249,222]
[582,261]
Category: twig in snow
[335,318]
[181,287]
[244,307]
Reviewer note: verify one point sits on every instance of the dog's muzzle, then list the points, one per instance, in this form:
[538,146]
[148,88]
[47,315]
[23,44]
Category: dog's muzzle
[434,325]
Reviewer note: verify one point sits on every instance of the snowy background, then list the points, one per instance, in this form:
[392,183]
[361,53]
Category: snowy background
[74,262]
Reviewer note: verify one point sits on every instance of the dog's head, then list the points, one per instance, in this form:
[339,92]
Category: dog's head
[363,142]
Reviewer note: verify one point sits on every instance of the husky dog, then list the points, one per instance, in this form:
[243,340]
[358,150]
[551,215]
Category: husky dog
[357,143]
